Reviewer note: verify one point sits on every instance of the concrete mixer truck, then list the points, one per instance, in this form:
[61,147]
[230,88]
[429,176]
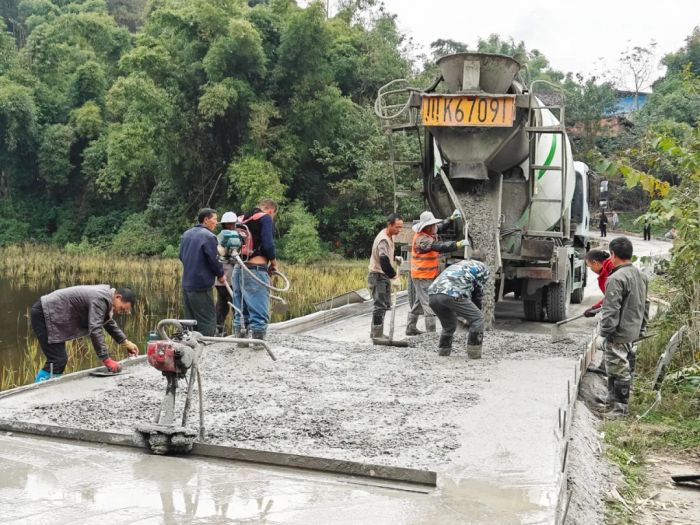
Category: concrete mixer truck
[496,149]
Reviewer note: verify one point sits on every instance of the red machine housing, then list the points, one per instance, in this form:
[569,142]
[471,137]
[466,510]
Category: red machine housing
[161,356]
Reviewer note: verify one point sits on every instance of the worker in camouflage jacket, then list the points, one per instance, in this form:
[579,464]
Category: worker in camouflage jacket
[624,317]
[426,248]
[459,291]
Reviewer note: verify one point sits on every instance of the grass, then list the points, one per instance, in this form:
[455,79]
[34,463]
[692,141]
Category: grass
[669,425]
[628,224]
[157,283]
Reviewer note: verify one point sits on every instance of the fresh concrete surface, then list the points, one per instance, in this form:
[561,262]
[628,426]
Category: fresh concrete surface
[506,470]
[58,482]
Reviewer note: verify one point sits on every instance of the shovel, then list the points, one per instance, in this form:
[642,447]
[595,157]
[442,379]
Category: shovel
[558,332]
[390,342]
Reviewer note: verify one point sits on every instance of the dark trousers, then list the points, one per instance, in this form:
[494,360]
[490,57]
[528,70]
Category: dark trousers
[647,233]
[55,353]
[603,230]
[200,307]
[380,288]
[222,307]
[448,309]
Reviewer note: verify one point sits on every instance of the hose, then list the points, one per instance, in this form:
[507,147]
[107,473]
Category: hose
[259,281]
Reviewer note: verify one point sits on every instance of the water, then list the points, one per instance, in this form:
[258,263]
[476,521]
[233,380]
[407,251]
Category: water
[16,334]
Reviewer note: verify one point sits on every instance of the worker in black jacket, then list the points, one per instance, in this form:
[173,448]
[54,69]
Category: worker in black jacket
[251,294]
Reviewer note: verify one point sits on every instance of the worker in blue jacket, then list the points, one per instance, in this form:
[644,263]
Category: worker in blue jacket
[201,267]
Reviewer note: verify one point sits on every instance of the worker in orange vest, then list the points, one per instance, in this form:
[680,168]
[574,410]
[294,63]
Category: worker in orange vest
[425,266]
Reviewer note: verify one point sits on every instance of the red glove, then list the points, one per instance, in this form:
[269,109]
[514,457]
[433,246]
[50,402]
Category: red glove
[112,365]
[591,312]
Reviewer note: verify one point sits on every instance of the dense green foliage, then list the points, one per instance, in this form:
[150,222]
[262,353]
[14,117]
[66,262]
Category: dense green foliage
[120,118]
[117,123]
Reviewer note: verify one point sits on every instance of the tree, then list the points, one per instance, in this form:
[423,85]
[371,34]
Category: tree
[252,179]
[688,55]
[587,102]
[638,65]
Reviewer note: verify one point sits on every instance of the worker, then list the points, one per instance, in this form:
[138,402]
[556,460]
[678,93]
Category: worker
[228,222]
[600,263]
[647,229]
[425,257]
[382,275]
[603,223]
[459,291]
[75,312]
[249,293]
[624,317]
[201,266]
[615,220]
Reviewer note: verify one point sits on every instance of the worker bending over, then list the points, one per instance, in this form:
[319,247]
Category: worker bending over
[426,248]
[75,312]
[382,275]
[459,291]
[599,262]
[624,317]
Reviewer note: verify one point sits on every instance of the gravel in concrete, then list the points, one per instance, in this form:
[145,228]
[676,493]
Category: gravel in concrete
[392,406]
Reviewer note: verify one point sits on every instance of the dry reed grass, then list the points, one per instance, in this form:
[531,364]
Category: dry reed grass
[156,282]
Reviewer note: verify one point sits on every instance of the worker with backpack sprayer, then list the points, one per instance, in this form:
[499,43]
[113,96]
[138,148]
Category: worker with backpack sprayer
[251,296]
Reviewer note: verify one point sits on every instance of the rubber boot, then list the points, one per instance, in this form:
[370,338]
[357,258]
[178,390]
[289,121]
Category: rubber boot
[474,341]
[445,345]
[430,325]
[620,400]
[258,335]
[411,328]
[377,332]
[43,375]
[239,334]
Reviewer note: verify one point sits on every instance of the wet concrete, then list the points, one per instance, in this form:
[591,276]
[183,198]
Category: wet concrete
[502,463]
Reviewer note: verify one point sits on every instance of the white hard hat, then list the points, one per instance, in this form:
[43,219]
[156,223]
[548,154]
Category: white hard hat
[426,219]
[229,217]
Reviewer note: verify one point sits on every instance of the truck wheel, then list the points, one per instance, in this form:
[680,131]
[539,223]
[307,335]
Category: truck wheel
[558,297]
[577,296]
[533,306]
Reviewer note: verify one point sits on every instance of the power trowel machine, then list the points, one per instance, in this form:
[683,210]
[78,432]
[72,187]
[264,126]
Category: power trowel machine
[177,356]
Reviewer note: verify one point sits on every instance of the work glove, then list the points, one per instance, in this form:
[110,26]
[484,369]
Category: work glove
[399,260]
[461,244]
[112,365]
[455,215]
[590,312]
[130,347]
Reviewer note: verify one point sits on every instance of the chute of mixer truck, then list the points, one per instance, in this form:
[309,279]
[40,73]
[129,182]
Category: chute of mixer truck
[498,151]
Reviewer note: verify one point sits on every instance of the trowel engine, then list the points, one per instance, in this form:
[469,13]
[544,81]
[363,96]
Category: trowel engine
[176,358]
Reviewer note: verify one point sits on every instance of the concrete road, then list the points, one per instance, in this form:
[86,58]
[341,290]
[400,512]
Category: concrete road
[507,469]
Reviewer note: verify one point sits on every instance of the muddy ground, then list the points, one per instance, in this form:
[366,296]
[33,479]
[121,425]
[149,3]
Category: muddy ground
[384,405]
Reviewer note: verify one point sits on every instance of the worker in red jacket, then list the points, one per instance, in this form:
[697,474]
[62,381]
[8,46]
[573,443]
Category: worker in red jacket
[598,261]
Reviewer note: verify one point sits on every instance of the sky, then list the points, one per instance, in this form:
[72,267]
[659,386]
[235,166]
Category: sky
[585,36]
